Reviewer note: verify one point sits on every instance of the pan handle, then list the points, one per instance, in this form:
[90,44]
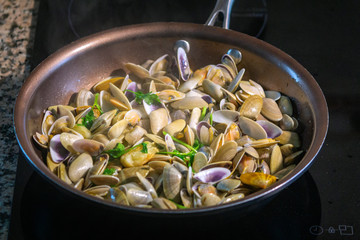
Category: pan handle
[224,7]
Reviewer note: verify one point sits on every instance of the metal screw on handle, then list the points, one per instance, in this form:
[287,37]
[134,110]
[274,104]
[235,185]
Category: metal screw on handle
[224,7]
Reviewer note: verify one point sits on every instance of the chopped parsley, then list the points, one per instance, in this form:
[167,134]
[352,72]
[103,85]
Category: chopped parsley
[96,104]
[109,171]
[90,117]
[120,150]
[211,119]
[179,206]
[188,157]
[149,98]
[203,113]
[88,120]
[117,151]
[181,142]
[144,148]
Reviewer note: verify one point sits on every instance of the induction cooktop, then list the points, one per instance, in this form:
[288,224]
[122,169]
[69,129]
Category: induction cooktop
[322,204]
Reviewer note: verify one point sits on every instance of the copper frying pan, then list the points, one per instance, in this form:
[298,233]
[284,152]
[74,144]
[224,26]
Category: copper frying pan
[90,59]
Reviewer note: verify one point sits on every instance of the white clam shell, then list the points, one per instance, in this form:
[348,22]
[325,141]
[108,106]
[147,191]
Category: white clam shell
[225,116]
[252,128]
[235,83]
[120,95]
[80,166]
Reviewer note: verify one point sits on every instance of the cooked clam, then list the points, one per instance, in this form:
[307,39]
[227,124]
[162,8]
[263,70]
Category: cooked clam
[251,107]
[257,179]
[271,110]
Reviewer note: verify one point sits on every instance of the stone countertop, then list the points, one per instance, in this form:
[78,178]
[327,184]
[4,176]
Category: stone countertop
[17,26]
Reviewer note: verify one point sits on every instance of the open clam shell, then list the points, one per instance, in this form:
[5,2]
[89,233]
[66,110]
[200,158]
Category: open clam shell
[90,146]
[175,127]
[103,121]
[251,107]
[132,87]
[85,98]
[138,70]
[80,166]
[63,111]
[104,84]
[212,175]
[181,48]
[167,96]
[285,105]
[257,179]
[159,65]
[252,128]
[57,151]
[171,181]
[225,116]
[119,95]
[272,130]
[213,89]
[234,84]
[205,132]
[67,140]
[273,94]
[252,88]
[158,120]
[226,152]
[104,101]
[189,103]
[271,110]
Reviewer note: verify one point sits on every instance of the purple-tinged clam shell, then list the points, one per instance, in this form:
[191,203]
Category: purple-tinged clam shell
[200,125]
[207,99]
[57,152]
[181,48]
[133,87]
[270,128]
[152,107]
[212,175]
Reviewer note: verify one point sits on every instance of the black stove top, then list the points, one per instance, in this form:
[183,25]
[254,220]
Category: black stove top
[323,204]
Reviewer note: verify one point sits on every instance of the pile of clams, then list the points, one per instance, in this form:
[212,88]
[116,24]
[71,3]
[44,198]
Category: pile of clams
[165,136]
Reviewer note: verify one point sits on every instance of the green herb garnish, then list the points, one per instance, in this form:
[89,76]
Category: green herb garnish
[188,157]
[179,205]
[144,148]
[203,113]
[149,98]
[117,151]
[120,150]
[181,142]
[96,105]
[109,171]
[89,118]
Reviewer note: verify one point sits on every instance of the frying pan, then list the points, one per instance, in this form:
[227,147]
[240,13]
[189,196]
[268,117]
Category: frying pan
[95,57]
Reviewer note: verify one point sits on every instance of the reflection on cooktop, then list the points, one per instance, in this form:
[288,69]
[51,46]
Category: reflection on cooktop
[295,209]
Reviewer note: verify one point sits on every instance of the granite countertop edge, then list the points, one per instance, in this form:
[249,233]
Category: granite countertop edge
[17,27]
